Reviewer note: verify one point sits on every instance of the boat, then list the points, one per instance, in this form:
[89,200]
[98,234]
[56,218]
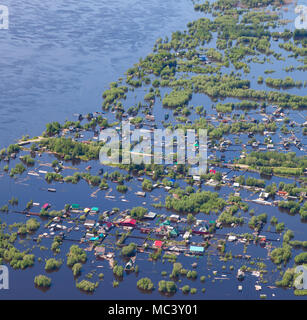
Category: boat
[140,193]
[32,173]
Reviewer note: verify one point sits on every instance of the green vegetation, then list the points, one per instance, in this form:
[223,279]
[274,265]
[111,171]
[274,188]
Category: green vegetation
[75,255]
[52,264]
[147,185]
[118,271]
[76,269]
[287,279]
[288,82]
[138,212]
[86,286]
[282,254]
[145,284]
[19,169]
[176,270]
[155,255]
[167,286]
[204,201]
[28,160]
[69,149]
[129,250]
[177,98]
[42,281]
[113,94]
[121,188]
[185,289]
[32,225]
[282,163]
[301,258]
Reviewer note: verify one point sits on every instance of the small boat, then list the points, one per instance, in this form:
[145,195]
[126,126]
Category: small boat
[32,173]
[140,194]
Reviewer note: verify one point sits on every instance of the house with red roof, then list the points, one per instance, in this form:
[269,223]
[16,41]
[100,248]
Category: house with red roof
[158,244]
[128,222]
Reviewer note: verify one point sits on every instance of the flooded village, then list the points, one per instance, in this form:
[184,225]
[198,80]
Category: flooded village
[147,230]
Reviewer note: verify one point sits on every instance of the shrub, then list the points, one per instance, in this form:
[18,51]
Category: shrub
[42,281]
[145,284]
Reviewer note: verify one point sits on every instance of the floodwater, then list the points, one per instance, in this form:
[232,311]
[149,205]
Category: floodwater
[57,59]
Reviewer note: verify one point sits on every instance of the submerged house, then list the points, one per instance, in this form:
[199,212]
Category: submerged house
[173,233]
[89,223]
[161,231]
[128,222]
[150,215]
[197,250]
[75,206]
[46,206]
[174,217]
[158,244]
[145,230]
[107,226]
[186,235]
[94,210]
[201,230]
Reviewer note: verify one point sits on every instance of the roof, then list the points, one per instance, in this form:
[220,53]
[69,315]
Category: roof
[100,249]
[131,221]
[164,223]
[197,249]
[158,243]
[87,222]
[232,238]
[108,224]
[75,206]
[150,214]
[282,192]
[94,238]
